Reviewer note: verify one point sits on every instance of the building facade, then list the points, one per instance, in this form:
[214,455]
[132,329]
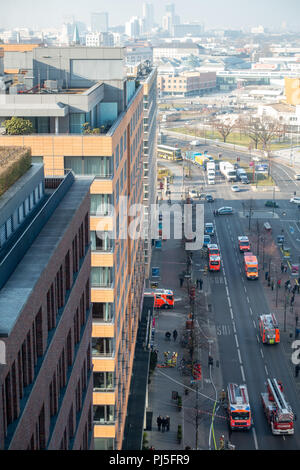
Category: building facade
[114,157]
[186,83]
[46,380]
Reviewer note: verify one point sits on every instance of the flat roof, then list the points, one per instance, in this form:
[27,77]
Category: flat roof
[17,290]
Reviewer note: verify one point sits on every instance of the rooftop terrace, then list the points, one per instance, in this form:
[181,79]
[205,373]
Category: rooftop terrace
[14,162]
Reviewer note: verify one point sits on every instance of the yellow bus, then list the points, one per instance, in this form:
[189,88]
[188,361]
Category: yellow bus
[170,153]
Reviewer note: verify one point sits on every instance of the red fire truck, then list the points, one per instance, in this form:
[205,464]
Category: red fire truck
[278,411]
[268,328]
[163,298]
[238,407]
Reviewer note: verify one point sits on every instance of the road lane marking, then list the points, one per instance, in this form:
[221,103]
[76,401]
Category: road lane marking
[236,341]
[255,438]
[239,354]
[261,352]
[266,370]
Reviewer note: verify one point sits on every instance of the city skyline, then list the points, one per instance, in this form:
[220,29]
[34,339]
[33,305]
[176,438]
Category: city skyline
[235,14]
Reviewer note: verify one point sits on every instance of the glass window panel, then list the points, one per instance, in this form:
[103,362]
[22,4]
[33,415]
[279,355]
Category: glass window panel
[74,164]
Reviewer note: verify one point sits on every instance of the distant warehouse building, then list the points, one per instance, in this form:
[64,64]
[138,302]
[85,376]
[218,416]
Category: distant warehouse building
[186,84]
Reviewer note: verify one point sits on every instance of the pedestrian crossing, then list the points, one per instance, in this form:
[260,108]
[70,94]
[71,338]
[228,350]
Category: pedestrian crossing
[216,279]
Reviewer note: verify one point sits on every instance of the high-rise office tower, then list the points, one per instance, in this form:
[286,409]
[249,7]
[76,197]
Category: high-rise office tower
[148,16]
[99,22]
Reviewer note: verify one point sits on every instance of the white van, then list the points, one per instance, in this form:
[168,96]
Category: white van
[211,178]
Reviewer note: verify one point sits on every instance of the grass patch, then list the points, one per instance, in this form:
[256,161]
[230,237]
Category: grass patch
[235,138]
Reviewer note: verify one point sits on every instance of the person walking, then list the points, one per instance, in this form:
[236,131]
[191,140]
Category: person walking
[159,421]
[168,423]
[282,267]
[266,275]
[200,283]
[181,281]
[272,285]
[279,283]
[292,300]
[285,268]
[163,424]
[175,334]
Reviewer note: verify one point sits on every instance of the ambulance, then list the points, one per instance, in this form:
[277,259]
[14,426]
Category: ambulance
[213,249]
[214,262]
[251,265]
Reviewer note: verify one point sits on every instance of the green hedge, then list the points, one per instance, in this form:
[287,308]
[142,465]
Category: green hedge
[14,171]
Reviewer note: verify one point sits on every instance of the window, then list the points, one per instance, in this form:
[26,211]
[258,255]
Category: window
[98,166]
[76,122]
[103,311]
[103,381]
[9,227]
[101,276]
[103,413]
[101,241]
[102,346]
[101,204]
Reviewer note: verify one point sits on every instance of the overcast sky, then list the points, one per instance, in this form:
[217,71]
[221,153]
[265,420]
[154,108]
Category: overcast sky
[216,13]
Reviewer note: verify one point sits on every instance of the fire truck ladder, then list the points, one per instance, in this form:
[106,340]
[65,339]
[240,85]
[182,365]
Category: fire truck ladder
[278,396]
[237,392]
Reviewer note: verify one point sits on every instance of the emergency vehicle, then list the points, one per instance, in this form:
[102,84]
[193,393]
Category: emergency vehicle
[278,411]
[163,298]
[268,328]
[239,411]
[251,265]
[213,249]
[244,244]
[214,262]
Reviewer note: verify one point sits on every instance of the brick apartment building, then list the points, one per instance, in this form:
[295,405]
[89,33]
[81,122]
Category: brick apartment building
[70,87]
[45,308]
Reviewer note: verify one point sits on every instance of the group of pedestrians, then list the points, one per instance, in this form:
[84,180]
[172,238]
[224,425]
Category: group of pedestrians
[163,423]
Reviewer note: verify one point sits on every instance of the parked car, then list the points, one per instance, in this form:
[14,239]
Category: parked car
[225,210]
[297,177]
[206,240]
[235,188]
[209,228]
[271,204]
[295,200]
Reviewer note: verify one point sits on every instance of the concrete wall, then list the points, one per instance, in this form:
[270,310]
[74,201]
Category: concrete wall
[78,66]
[18,60]
[16,194]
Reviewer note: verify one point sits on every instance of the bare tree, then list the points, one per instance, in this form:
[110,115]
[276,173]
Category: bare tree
[224,127]
[263,130]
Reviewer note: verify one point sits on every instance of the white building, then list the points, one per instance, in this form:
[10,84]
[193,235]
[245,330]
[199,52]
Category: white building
[287,114]
[99,39]
[132,27]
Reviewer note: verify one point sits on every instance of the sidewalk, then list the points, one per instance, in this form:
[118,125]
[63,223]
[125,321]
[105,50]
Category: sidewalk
[166,380]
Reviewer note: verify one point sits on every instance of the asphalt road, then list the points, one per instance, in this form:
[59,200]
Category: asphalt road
[237,302]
